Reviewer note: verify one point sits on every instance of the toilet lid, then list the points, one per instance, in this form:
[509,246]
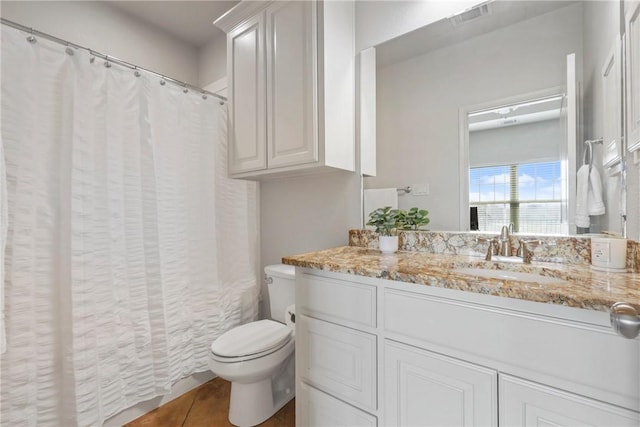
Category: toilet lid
[251,338]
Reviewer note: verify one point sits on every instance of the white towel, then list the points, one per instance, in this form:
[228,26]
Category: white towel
[588,196]
[379,198]
[594,198]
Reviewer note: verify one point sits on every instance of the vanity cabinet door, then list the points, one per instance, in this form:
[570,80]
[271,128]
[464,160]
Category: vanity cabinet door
[315,408]
[524,403]
[428,389]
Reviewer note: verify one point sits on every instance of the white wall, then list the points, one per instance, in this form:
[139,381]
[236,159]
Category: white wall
[212,60]
[103,28]
[307,213]
[419,100]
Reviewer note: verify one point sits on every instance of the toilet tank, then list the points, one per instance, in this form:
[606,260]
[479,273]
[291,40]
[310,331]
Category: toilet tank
[281,282]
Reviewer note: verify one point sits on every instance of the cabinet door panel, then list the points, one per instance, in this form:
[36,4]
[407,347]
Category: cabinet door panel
[247,115]
[291,84]
[427,389]
[523,403]
[339,360]
[315,408]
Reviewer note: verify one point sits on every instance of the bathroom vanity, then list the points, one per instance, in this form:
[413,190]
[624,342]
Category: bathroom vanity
[418,338]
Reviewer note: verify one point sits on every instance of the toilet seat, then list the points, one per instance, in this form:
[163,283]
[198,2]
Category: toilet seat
[250,341]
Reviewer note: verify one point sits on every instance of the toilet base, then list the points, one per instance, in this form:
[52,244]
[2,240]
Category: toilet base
[254,403]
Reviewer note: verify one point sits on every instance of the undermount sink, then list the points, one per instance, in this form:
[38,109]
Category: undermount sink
[509,275]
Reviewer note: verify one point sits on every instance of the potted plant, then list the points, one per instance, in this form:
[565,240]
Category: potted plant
[414,219]
[386,222]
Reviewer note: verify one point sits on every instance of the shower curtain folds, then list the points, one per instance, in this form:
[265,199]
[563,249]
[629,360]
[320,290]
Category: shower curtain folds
[128,250]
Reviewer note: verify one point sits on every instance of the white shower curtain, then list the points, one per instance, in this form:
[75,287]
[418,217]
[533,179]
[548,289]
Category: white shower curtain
[128,250]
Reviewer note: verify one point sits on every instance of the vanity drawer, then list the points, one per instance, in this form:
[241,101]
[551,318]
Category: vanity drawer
[316,408]
[338,360]
[340,301]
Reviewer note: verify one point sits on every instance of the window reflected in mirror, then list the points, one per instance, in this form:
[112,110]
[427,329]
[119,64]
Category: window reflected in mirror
[515,166]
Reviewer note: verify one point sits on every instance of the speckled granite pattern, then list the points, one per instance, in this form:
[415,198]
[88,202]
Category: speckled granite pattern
[557,249]
[585,289]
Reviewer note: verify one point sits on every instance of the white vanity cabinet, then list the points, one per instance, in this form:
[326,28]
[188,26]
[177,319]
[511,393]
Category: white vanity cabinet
[336,351]
[291,80]
[400,354]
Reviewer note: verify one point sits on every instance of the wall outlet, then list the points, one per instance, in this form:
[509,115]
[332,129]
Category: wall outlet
[420,189]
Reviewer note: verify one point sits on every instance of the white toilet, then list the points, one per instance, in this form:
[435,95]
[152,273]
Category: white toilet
[258,357]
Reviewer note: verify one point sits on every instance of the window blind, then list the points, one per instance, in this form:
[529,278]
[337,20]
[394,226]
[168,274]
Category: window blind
[528,195]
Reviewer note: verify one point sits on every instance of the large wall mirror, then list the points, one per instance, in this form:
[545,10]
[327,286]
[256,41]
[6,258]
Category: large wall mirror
[491,109]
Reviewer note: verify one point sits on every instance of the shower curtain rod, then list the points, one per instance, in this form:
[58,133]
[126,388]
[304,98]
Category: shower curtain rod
[108,58]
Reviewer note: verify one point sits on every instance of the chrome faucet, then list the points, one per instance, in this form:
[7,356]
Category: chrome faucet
[502,246]
[505,243]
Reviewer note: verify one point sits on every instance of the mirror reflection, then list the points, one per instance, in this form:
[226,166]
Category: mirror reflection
[514,168]
[490,110]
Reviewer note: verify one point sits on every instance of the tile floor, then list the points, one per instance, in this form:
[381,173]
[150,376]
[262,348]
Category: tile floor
[206,406]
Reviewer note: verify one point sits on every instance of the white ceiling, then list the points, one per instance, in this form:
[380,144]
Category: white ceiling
[189,21]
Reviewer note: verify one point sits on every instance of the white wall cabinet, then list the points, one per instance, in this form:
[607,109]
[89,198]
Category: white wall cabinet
[291,87]
[247,115]
[400,354]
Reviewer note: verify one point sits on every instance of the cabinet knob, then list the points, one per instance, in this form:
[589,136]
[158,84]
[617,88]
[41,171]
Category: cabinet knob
[625,320]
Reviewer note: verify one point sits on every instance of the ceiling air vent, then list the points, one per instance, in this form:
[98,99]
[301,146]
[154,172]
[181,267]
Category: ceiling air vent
[470,14]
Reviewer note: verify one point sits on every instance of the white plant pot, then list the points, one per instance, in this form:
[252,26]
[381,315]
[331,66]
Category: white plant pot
[388,244]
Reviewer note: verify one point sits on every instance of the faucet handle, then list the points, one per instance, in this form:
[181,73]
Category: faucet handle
[524,251]
[492,249]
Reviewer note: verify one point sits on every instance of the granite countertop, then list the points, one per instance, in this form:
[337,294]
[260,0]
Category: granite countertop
[586,288]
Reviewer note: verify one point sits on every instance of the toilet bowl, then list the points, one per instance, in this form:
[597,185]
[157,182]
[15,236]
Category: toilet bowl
[258,357]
